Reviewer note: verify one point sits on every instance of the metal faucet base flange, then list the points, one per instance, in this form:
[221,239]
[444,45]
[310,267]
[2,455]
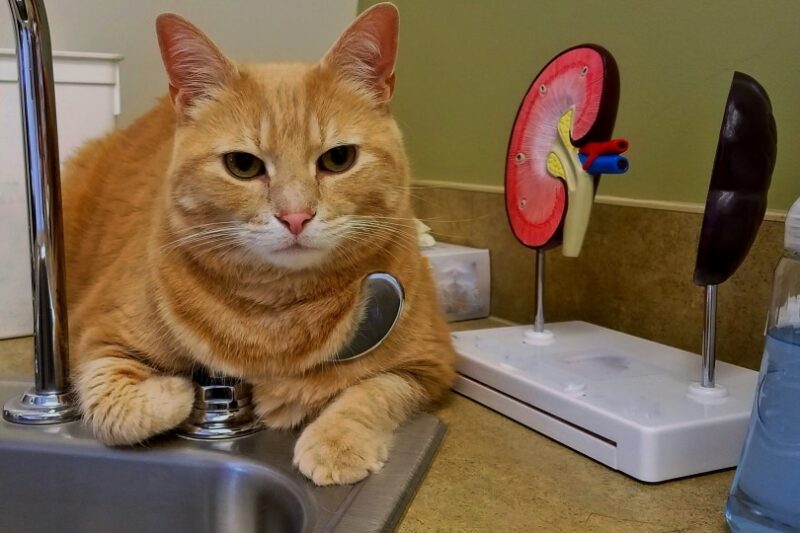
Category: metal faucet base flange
[40,408]
[191,430]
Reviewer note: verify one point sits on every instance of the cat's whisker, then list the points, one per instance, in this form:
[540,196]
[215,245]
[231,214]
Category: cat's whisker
[218,239]
[384,230]
[433,231]
[225,223]
[379,230]
[367,242]
[398,220]
[198,237]
[393,231]
[350,259]
[358,238]
[388,225]
[196,244]
[393,226]
[222,249]
[426,219]
[185,239]
[399,227]
[219,242]
[380,217]
[368,239]
[191,230]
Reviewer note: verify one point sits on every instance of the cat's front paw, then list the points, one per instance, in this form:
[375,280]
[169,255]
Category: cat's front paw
[343,452]
[125,402]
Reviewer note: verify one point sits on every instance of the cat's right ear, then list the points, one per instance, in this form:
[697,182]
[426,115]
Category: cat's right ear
[367,51]
[195,66]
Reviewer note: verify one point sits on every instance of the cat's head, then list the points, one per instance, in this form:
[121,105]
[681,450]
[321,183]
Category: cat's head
[290,165]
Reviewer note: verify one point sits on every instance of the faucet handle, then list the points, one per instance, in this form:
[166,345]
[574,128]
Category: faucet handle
[222,407]
[383,305]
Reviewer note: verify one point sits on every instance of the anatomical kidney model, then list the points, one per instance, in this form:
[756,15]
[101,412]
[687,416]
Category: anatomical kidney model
[559,146]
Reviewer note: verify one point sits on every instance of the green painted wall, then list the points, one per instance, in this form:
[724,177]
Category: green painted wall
[464,66]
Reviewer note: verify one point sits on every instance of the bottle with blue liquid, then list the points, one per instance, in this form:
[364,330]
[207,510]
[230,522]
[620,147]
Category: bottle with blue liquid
[765,495]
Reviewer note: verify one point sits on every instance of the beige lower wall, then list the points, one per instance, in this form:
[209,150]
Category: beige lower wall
[634,273]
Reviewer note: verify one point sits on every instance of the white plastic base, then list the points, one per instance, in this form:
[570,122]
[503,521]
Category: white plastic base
[624,401]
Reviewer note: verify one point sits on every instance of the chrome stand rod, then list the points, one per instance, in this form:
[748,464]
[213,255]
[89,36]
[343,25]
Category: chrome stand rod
[538,323]
[709,337]
[51,357]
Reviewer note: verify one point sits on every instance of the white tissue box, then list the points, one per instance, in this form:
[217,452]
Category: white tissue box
[462,276]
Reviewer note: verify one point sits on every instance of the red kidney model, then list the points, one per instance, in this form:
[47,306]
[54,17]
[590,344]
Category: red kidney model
[560,145]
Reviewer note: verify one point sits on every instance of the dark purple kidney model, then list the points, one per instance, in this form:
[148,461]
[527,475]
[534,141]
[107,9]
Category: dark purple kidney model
[737,196]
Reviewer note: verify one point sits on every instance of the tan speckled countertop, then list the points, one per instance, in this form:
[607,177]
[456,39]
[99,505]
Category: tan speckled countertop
[492,474]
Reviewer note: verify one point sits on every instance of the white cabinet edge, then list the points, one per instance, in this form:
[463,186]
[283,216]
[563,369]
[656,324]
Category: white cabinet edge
[72,67]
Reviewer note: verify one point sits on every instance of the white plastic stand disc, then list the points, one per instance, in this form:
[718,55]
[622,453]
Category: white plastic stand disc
[538,338]
[715,394]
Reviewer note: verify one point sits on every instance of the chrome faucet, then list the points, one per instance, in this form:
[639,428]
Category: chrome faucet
[48,401]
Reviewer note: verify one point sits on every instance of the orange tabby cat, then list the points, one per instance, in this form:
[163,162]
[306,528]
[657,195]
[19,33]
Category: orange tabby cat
[231,226]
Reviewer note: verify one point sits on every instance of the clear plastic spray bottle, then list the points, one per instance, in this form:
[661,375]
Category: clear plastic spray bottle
[765,495]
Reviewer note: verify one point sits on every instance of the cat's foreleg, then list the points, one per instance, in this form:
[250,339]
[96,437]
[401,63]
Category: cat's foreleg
[275,411]
[352,435]
[125,401]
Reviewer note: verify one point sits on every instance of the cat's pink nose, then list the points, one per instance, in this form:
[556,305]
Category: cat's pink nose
[295,222]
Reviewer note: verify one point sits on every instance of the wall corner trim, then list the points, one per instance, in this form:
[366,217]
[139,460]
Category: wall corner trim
[774,215]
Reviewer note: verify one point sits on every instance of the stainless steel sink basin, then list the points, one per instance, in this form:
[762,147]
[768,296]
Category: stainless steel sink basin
[58,478]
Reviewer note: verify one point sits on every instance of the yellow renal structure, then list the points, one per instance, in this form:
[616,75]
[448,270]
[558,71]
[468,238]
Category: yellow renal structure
[563,162]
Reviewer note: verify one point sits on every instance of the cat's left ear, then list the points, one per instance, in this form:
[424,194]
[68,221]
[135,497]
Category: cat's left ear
[367,50]
[195,66]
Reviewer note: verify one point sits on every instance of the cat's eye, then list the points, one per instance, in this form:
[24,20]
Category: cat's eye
[244,166]
[338,159]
